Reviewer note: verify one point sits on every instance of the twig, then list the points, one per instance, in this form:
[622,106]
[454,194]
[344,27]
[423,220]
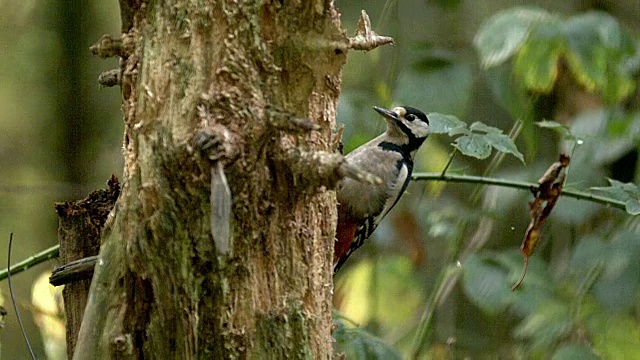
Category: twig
[36,259]
[13,299]
[446,167]
[427,316]
[576,194]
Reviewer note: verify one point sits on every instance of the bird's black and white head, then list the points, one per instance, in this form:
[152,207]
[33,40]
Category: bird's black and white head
[409,125]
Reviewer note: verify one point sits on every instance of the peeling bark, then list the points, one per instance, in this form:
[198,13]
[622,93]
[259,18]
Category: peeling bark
[159,289]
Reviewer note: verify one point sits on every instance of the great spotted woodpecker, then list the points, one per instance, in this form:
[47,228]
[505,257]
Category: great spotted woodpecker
[361,207]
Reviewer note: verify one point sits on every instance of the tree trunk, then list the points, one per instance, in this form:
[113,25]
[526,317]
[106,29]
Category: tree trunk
[252,73]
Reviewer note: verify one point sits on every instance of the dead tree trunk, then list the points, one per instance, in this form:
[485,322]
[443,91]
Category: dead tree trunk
[79,226]
[263,77]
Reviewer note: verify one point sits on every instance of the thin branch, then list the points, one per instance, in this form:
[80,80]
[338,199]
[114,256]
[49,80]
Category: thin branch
[451,272]
[580,195]
[446,167]
[27,263]
[13,299]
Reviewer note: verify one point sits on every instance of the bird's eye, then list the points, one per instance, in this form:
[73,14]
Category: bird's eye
[410,117]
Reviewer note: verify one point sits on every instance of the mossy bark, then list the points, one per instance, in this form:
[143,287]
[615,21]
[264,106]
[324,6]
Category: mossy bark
[160,289]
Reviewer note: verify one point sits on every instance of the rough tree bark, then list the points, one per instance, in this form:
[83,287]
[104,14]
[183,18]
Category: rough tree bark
[264,78]
[79,227]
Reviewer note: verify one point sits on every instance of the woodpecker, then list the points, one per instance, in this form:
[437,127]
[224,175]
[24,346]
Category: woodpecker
[361,206]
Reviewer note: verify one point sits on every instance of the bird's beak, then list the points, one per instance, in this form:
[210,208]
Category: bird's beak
[391,115]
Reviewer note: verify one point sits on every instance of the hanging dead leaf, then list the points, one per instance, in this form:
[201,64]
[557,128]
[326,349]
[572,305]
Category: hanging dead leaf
[546,196]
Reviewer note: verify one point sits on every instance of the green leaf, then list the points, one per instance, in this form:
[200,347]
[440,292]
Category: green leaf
[460,130]
[614,336]
[509,94]
[473,145]
[627,192]
[597,52]
[442,124]
[538,287]
[624,125]
[586,56]
[434,59]
[555,126]
[573,352]
[479,145]
[359,344]
[618,87]
[546,326]
[632,206]
[502,35]
[536,64]
[629,188]
[612,191]
[505,144]
[487,285]
[617,284]
[478,126]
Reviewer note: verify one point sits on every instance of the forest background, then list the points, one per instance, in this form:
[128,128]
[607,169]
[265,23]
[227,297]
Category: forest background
[454,245]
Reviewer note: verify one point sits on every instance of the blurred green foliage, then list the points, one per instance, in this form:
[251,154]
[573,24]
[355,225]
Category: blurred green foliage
[478,62]
[479,69]
[601,55]
[61,134]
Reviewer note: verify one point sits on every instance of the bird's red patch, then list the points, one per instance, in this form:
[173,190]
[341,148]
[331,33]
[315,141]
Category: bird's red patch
[345,232]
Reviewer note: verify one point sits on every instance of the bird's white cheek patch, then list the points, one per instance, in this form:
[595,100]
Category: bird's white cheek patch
[421,131]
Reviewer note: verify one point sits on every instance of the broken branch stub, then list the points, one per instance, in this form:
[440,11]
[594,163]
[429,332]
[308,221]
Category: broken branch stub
[366,39]
[327,168]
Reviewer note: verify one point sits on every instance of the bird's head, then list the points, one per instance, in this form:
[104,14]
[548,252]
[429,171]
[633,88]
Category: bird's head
[406,122]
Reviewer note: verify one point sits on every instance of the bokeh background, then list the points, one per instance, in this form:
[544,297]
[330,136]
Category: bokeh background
[62,135]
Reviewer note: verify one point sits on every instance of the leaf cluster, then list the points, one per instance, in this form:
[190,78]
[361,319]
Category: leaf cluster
[599,53]
[476,140]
